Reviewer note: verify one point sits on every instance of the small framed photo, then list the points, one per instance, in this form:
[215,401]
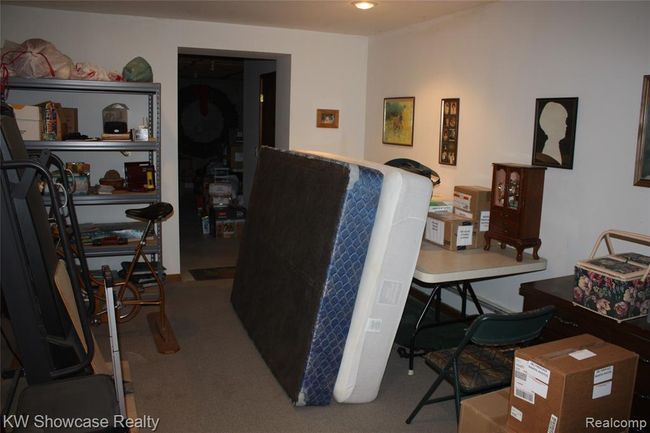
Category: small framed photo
[398,121]
[449,116]
[555,132]
[327,118]
[642,166]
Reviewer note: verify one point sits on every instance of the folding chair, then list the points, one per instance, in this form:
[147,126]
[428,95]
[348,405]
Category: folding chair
[482,361]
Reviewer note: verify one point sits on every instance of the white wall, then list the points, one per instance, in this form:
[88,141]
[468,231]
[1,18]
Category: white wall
[327,71]
[500,57]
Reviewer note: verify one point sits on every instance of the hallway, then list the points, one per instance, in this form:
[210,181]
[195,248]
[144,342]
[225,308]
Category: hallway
[198,250]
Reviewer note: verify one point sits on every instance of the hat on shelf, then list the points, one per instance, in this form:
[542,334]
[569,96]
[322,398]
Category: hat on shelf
[112,178]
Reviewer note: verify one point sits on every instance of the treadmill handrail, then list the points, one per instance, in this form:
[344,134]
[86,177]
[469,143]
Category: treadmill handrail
[85,361]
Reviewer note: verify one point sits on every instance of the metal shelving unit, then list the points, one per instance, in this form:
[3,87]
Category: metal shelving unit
[149,90]
[117,250]
[124,198]
[94,145]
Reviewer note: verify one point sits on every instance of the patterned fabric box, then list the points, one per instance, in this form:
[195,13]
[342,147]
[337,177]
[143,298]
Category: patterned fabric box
[616,286]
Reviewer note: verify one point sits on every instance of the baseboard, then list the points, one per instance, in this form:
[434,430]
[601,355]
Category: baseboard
[173,278]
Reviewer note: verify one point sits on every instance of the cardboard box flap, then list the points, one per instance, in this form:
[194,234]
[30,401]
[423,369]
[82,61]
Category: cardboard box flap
[584,354]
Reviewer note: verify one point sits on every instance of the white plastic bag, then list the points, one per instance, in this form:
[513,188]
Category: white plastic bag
[86,71]
[36,58]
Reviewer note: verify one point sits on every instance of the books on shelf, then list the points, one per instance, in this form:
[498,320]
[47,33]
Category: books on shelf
[116,137]
[141,274]
[96,232]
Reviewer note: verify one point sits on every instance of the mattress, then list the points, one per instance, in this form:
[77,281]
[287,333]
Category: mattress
[300,263]
[385,282]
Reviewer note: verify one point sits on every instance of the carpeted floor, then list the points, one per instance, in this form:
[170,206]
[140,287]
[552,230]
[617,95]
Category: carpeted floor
[219,383]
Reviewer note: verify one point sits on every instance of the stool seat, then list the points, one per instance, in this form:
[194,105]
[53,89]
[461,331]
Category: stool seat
[85,397]
[152,212]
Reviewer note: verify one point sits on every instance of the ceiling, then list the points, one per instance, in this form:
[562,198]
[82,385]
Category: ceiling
[326,16]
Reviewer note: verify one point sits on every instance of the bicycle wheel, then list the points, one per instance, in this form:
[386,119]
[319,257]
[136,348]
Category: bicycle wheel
[124,311]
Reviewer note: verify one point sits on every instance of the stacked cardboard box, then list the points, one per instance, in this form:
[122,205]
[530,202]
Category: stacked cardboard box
[578,384]
[28,118]
[485,413]
[473,203]
[437,205]
[450,231]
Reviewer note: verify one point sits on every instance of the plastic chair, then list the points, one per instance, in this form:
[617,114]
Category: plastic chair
[482,361]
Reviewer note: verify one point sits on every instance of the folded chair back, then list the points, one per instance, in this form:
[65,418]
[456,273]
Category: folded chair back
[509,329]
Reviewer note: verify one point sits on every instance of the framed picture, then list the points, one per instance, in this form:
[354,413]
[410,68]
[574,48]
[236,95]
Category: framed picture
[398,121]
[327,118]
[555,132]
[449,116]
[642,167]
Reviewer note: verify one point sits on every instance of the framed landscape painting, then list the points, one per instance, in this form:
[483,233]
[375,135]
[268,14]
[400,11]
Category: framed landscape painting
[398,121]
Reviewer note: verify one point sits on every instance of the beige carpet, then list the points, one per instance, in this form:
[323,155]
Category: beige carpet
[219,383]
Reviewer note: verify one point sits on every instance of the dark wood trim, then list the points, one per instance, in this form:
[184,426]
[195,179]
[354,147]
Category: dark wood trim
[173,278]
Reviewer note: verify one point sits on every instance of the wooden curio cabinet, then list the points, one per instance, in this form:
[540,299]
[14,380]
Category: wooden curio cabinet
[516,207]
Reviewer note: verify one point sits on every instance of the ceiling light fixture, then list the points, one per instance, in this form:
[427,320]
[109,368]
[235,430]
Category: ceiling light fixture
[364,5]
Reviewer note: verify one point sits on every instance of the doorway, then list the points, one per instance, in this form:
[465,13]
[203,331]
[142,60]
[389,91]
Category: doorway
[267,109]
[219,114]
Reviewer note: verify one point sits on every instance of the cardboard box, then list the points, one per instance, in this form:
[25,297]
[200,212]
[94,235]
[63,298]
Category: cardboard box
[441,206]
[485,413]
[56,121]
[69,120]
[229,228]
[237,157]
[28,118]
[450,231]
[51,124]
[473,202]
[558,387]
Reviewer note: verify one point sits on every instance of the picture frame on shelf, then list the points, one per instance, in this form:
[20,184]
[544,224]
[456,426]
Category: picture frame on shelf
[449,120]
[642,165]
[399,114]
[327,118]
[555,132]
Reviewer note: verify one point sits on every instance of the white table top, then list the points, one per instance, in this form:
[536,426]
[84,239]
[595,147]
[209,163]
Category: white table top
[439,265]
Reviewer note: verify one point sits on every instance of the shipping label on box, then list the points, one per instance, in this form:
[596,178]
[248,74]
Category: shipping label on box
[550,379]
[441,206]
[435,231]
[462,201]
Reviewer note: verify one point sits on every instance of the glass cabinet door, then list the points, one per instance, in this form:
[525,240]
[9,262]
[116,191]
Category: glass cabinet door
[500,187]
[513,189]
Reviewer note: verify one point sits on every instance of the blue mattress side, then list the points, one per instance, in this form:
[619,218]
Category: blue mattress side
[341,285]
